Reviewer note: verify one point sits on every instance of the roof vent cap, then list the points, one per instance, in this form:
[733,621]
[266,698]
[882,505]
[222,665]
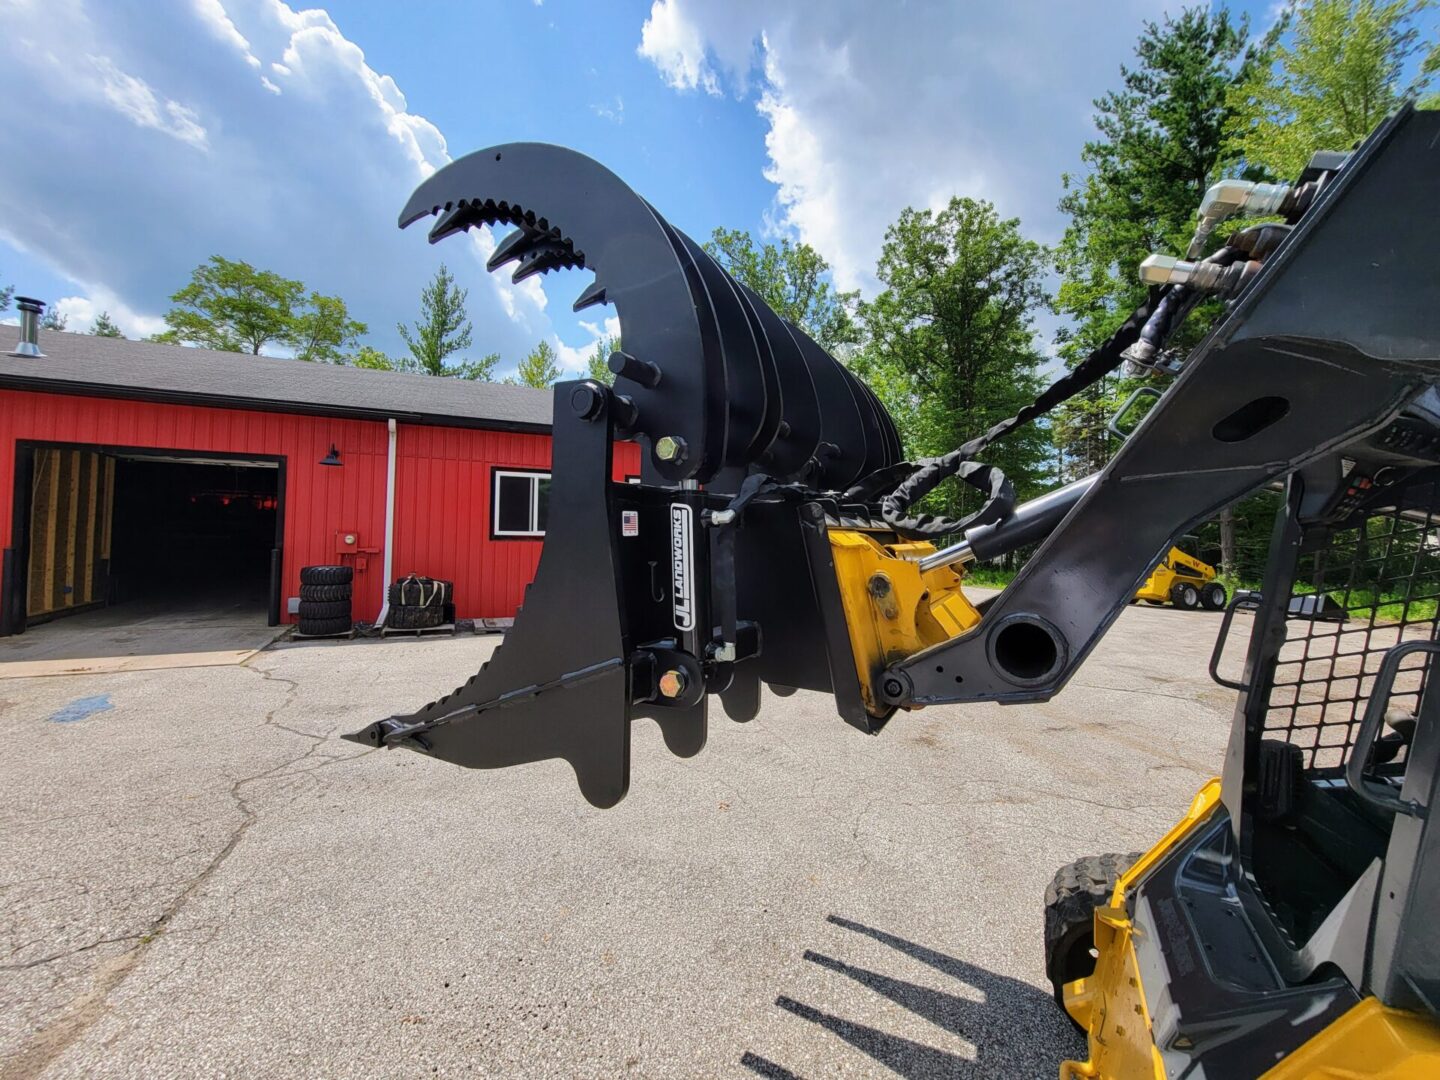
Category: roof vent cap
[30,312]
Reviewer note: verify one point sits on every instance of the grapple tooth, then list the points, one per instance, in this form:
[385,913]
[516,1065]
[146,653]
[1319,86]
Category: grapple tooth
[541,259]
[456,219]
[594,294]
[512,247]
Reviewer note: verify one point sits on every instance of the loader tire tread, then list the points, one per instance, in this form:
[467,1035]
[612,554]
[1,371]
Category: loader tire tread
[1070,903]
[326,575]
[324,593]
[414,617]
[318,611]
[325,627]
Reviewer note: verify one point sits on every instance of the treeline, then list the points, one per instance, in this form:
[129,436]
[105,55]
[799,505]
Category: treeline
[949,343]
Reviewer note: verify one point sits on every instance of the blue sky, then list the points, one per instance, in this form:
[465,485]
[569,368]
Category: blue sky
[141,136]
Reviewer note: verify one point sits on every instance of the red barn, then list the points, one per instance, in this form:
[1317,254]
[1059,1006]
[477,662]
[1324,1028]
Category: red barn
[135,472]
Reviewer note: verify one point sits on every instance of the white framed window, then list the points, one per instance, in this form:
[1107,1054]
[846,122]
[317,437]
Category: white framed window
[519,502]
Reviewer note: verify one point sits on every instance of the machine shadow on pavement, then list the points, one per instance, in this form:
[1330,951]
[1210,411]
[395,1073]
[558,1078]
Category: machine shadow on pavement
[1010,1023]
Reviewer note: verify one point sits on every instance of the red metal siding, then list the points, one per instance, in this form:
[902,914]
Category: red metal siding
[442,482]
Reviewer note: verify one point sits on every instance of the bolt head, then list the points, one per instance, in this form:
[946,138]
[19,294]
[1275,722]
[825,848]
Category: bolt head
[585,401]
[670,448]
[672,683]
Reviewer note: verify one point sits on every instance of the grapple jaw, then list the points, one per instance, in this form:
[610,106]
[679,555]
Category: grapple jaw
[622,620]
[650,597]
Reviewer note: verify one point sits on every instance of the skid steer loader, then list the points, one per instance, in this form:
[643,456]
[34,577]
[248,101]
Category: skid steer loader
[1287,925]
[1185,581]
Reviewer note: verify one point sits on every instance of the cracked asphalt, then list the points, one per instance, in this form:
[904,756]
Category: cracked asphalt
[203,880]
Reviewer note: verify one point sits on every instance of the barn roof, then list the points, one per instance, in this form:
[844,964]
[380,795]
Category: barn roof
[117,368]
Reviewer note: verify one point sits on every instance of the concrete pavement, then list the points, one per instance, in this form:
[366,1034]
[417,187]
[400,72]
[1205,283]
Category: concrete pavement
[201,879]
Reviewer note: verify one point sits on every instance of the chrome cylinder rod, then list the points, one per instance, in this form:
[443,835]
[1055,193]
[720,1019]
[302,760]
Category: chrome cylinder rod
[1030,522]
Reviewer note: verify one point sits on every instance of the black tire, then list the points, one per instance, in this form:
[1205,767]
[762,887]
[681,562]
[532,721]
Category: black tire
[1155,603]
[326,575]
[324,593]
[1185,596]
[315,611]
[1070,903]
[1212,596]
[322,627]
[413,617]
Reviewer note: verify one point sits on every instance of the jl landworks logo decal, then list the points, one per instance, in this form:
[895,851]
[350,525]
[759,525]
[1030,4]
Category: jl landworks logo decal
[682,583]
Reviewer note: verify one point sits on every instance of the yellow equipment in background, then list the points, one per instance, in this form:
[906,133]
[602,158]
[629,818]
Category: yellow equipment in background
[1185,581]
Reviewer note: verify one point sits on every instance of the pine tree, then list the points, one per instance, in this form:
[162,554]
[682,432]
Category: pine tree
[104,326]
[443,328]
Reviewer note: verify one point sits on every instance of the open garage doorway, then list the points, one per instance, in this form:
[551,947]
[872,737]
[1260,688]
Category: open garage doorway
[135,551]
[195,535]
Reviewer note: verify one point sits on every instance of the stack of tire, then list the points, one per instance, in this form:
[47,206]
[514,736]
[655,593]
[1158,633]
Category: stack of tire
[325,600]
[420,603]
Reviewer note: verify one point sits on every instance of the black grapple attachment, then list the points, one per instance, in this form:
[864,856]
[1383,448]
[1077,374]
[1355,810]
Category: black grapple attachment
[650,597]
[768,542]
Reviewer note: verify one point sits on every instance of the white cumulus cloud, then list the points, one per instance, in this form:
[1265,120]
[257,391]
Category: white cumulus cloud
[870,108]
[137,148]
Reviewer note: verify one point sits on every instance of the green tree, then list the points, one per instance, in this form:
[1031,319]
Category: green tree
[1334,78]
[598,366]
[53,319]
[951,346]
[790,278]
[443,328]
[369,358]
[104,326]
[6,293]
[481,370]
[1162,142]
[230,306]
[325,330]
[372,359]
[539,368]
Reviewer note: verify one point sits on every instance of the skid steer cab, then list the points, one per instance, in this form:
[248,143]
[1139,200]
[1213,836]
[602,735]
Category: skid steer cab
[1184,581]
[777,539]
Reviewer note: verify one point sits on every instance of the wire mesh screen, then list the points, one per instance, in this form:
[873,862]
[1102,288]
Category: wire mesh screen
[1361,590]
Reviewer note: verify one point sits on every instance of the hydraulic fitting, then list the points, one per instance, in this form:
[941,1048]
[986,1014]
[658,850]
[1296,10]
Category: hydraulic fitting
[1204,276]
[1230,197]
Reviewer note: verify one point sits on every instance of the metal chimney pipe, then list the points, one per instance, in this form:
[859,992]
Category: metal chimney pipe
[30,312]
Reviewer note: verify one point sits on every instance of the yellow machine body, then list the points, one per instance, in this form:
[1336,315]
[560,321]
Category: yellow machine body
[1370,1042]
[892,608]
[1176,566]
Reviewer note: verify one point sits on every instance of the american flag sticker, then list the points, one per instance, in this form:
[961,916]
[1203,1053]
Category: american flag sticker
[629,522]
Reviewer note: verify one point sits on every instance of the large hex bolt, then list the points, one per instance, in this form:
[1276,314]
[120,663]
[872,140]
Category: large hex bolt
[672,683]
[670,448]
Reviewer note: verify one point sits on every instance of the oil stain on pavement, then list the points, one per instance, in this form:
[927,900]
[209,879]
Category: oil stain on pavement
[82,709]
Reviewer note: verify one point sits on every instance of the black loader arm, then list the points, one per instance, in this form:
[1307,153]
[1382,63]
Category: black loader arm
[769,542]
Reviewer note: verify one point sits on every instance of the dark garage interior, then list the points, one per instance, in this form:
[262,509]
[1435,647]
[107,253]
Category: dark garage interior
[194,535]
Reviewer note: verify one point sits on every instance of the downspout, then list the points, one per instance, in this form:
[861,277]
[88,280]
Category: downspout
[389,525]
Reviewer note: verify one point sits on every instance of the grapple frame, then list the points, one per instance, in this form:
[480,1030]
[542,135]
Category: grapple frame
[716,573]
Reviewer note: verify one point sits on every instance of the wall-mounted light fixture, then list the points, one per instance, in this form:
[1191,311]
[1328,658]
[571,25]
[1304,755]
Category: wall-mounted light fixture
[333,457]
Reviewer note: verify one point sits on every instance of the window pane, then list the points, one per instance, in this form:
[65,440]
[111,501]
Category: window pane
[542,512]
[512,495]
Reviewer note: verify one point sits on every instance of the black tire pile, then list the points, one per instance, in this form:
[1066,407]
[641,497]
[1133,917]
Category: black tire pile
[420,603]
[325,600]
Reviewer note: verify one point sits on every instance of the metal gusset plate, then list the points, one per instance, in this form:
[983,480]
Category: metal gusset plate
[718,372]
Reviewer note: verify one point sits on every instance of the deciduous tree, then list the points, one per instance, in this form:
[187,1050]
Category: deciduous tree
[230,306]
[951,346]
[539,368]
[1335,76]
[598,367]
[791,279]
